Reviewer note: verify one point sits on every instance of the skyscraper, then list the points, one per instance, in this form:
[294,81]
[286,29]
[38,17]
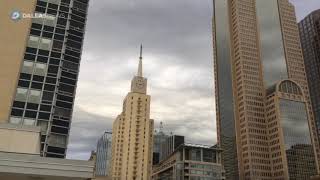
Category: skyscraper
[158,138]
[41,45]
[132,138]
[309,29]
[263,104]
[104,149]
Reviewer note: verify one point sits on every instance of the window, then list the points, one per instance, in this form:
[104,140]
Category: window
[27,67]
[43,125]
[34,96]
[57,45]
[55,1]
[47,96]
[50,21]
[57,140]
[15,120]
[40,69]
[37,20]
[21,94]
[29,122]
[33,41]
[45,44]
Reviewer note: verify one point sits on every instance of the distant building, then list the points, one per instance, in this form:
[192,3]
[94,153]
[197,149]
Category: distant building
[309,29]
[132,134]
[190,161]
[170,144]
[103,154]
[158,138]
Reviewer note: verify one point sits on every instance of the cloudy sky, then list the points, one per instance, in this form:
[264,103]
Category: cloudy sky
[176,35]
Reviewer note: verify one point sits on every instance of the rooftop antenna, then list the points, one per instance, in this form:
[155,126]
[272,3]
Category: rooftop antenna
[161,127]
[140,62]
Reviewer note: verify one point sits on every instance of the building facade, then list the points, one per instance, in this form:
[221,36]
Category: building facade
[40,60]
[104,149]
[132,140]
[259,80]
[158,138]
[190,162]
[13,166]
[309,29]
[169,145]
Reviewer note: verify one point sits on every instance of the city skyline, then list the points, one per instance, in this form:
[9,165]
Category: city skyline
[165,58]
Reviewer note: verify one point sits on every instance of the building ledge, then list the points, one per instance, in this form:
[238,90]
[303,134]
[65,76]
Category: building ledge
[19,164]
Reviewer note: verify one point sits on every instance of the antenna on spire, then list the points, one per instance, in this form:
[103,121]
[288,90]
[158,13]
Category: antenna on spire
[140,51]
[140,63]
[161,127]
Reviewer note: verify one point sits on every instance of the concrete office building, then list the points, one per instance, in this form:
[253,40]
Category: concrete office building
[190,162]
[262,91]
[132,134]
[309,29]
[20,157]
[103,155]
[39,66]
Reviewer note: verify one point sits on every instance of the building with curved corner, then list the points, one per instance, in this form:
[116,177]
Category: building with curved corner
[291,150]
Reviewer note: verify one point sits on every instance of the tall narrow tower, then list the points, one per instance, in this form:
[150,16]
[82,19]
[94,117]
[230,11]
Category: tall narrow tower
[265,123]
[132,139]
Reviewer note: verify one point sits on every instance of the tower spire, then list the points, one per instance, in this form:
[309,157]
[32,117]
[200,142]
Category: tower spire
[140,63]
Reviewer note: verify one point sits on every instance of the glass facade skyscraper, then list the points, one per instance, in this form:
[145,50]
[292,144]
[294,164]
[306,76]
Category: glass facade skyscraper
[104,149]
[259,80]
[46,73]
[309,29]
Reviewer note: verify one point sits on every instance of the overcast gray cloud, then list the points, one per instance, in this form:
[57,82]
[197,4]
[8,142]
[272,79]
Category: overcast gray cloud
[177,62]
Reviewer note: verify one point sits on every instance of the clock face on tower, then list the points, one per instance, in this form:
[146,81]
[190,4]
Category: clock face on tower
[140,84]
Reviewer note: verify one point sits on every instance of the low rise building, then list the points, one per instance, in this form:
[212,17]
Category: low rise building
[20,158]
[191,162]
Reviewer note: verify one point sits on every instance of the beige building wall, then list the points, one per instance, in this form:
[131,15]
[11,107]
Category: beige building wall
[117,147]
[133,134]
[13,36]
[19,139]
[295,63]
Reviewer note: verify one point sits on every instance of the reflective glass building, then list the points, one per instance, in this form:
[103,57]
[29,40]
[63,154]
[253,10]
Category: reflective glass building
[40,66]
[104,149]
[309,29]
[257,52]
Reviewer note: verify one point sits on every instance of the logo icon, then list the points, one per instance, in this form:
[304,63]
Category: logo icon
[15,15]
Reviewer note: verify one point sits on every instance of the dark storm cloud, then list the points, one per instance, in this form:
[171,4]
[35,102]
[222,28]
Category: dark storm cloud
[171,28]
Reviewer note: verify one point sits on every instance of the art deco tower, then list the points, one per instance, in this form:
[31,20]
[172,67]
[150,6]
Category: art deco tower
[265,122]
[39,66]
[132,138]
